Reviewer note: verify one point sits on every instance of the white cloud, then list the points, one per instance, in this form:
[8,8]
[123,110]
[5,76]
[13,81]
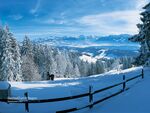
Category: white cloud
[53,21]
[50,21]
[112,23]
[34,10]
[16,17]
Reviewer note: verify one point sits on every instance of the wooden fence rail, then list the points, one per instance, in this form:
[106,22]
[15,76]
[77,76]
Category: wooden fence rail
[89,94]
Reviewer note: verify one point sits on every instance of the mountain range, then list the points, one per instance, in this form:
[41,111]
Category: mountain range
[111,46]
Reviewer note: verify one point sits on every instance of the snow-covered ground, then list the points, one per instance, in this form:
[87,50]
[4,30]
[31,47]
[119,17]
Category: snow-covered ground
[127,102]
[134,100]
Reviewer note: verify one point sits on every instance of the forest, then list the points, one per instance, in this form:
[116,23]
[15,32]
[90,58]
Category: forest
[28,61]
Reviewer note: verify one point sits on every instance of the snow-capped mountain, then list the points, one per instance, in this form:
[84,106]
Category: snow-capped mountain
[80,40]
[95,46]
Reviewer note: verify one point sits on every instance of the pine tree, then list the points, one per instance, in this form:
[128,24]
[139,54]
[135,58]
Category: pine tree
[10,62]
[27,48]
[17,58]
[143,37]
[76,71]
[100,67]
[61,64]
[29,68]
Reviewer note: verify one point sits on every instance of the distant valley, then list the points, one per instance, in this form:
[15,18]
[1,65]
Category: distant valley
[112,46]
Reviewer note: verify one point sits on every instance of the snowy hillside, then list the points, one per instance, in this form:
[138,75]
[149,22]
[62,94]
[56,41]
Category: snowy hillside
[70,87]
[75,56]
[135,100]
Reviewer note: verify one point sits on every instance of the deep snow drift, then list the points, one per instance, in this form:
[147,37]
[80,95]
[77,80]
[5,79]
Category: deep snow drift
[127,102]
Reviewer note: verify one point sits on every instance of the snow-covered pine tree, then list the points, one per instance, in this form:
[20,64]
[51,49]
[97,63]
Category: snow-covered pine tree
[39,58]
[84,68]
[29,68]
[61,64]
[76,71]
[50,64]
[143,37]
[100,66]
[27,48]
[17,58]
[10,62]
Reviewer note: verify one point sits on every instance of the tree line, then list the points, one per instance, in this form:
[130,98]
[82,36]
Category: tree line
[28,61]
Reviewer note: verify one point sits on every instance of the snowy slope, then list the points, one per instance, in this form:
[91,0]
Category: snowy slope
[67,87]
[135,100]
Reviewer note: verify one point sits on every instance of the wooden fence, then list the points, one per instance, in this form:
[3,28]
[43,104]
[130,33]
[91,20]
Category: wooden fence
[90,94]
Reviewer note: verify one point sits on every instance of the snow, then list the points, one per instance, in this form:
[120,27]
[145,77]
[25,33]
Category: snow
[102,55]
[126,102]
[89,59]
[134,100]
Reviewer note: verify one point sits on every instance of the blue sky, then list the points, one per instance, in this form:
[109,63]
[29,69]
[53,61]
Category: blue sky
[71,17]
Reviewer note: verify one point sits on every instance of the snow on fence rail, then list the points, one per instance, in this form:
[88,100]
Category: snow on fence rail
[89,94]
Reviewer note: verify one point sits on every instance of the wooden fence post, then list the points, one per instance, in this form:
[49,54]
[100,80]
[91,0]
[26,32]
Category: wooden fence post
[142,73]
[124,82]
[90,97]
[26,103]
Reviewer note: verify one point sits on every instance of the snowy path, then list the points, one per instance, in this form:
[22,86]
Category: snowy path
[135,100]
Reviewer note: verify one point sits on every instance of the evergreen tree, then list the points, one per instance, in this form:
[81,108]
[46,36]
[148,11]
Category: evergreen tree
[143,37]
[17,58]
[29,68]
[27,47]
[10,62]
[76,71]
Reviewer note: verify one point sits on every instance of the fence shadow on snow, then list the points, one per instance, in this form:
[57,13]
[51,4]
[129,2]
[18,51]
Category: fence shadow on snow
[89,94]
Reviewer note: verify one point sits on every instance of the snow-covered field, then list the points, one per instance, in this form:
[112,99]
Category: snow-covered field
[127,102]
[134,100]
